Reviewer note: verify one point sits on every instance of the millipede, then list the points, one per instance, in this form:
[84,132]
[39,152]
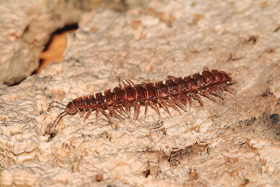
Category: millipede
[175,93]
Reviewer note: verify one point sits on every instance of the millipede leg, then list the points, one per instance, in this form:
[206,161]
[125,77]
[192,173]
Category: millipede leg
[118,111]
[87,115]
[172,105]
[164,106]
[156,108]
[180,104]
[117,116]
[111,112]
[190,101]
[124,84]
[198,98]
[136,110]
[206,94]
[96,114]
[231,90]
[122,111]
[127,108]
[146,108]
[183,99]
[105,114]
[130,82]
[171,77]
[82,113]
[217,92]
[221,93]
[114,114]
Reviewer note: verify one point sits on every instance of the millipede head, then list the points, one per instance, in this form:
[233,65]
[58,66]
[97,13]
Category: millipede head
[71,108]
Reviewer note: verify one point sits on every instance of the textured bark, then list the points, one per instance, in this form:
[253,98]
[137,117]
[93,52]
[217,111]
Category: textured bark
[234,142]
[26,28]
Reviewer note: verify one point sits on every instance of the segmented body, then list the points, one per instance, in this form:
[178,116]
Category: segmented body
[175,93]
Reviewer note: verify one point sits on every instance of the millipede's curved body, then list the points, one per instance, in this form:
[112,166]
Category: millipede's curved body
[175,93]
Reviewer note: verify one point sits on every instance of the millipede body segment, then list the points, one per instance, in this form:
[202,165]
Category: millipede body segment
[174,93]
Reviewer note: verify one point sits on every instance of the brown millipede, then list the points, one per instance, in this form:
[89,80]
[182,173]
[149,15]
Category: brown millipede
[175,93]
